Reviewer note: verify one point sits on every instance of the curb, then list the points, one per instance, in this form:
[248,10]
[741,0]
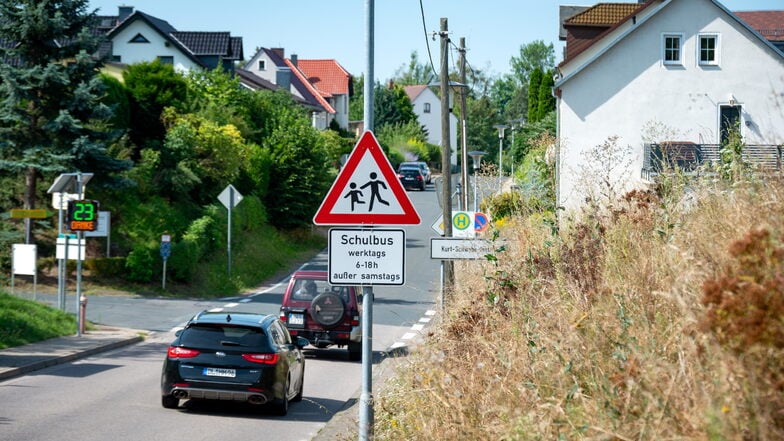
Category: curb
[14,372]
[344,425]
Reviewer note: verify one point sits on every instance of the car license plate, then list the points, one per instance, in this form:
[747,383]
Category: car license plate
[216,372]
[297,319]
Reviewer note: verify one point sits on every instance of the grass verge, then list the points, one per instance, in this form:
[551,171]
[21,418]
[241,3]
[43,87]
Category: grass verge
[24,321]
[661,319]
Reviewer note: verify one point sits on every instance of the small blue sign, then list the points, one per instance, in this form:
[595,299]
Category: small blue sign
[165,249]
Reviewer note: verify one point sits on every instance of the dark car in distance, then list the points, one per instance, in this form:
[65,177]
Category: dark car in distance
[234,356]
[422,166]
[412,177]
[324,314]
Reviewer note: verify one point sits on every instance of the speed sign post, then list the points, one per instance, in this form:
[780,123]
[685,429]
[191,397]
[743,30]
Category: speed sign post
[82,215]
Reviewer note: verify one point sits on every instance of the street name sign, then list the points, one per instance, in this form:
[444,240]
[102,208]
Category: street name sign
[367,257]
[367,191]
[448,248]
[33,213]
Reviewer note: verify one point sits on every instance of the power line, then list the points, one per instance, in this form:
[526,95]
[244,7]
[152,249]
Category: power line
[427,43]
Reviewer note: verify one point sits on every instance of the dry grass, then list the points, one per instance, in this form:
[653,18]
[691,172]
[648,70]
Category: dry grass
[660,321]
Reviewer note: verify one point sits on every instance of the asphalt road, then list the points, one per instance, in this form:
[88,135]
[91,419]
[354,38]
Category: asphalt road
[116,395]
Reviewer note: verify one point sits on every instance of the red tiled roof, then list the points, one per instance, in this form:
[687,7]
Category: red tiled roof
[327,76]
[414,91]
[306,83]
[770,24]
[603,14]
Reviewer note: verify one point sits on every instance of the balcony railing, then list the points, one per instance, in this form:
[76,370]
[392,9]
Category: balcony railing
[690,157]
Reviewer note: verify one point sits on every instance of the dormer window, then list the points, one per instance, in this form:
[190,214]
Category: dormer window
[139,38]
[672,50]
[708,50]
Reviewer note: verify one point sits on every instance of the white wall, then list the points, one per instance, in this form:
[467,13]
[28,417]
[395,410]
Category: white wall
[432,120]
[131,53]
[630,94]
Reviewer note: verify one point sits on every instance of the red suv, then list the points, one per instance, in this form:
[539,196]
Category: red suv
[323,313]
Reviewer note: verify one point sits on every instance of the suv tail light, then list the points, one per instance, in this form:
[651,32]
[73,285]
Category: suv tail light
[178,352]
[355,319]
[282,317]
[261,358]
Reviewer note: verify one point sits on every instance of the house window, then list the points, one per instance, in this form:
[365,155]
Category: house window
[117,58]
[709,49]
[427,108]
[166,59]
[262,64]
[671,48]
[139,38]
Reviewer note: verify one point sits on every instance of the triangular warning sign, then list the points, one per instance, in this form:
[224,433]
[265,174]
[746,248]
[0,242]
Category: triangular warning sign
[367,191]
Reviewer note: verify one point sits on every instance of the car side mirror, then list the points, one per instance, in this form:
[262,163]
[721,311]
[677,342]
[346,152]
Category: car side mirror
[302,342]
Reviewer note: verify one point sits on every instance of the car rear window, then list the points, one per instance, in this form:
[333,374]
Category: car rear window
[223,337]
[307,289]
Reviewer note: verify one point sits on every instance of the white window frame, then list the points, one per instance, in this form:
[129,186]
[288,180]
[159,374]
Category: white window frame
[664,37]
[716,49]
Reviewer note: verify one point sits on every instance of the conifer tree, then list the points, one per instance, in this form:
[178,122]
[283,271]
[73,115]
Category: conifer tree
[51,117]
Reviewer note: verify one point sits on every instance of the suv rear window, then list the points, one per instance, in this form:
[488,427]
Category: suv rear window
[223,336]
[307,289]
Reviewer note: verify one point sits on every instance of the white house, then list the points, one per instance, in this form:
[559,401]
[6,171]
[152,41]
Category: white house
[661,71]
[427,107]
[136,37]
[323,84]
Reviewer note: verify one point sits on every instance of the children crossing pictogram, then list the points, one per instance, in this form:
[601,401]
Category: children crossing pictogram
[367,191]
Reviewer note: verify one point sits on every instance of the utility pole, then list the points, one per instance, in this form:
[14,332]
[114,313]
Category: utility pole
[463,142]
[446,164]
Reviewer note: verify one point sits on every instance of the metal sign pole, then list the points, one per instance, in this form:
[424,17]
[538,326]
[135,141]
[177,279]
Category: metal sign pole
[366,397]
[231,205]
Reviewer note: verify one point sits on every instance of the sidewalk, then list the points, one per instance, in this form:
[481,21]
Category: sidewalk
[21,360]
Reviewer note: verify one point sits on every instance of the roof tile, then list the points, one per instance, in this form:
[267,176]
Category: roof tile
[770,24]
[603,14]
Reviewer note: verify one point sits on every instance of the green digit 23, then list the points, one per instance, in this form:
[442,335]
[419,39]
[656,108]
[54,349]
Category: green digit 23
[84,212]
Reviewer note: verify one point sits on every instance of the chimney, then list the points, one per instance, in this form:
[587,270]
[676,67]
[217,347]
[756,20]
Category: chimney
[279,51]
[124,12]
[294,59]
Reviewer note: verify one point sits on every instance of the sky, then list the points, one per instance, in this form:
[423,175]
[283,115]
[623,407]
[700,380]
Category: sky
[494,30]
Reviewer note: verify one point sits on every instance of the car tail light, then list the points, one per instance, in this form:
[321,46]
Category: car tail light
[343,335]
[292,332]
[282,317]
[178,352]
[355,321]
[261,358]
[419,177]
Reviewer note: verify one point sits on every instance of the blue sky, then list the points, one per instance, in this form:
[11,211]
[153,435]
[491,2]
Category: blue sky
[494,30]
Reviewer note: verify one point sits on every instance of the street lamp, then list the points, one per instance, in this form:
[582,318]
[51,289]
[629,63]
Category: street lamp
[501,128]
[514,125]
[476,155]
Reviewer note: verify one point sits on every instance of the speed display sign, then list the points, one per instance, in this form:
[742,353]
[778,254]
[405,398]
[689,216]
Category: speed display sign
[82,215]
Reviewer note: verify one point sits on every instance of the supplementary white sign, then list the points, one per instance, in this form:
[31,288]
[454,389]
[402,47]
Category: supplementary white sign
[24,258]
[367,257]
[75,248]
[448,248]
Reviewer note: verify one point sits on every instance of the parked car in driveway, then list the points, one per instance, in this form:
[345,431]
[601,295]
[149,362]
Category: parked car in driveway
[323,314]
[422,165]
[234,356]
[411,177]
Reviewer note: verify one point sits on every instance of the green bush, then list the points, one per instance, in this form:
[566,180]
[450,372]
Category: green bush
[204,235]
[503,205]
[139,264]
[106,267]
